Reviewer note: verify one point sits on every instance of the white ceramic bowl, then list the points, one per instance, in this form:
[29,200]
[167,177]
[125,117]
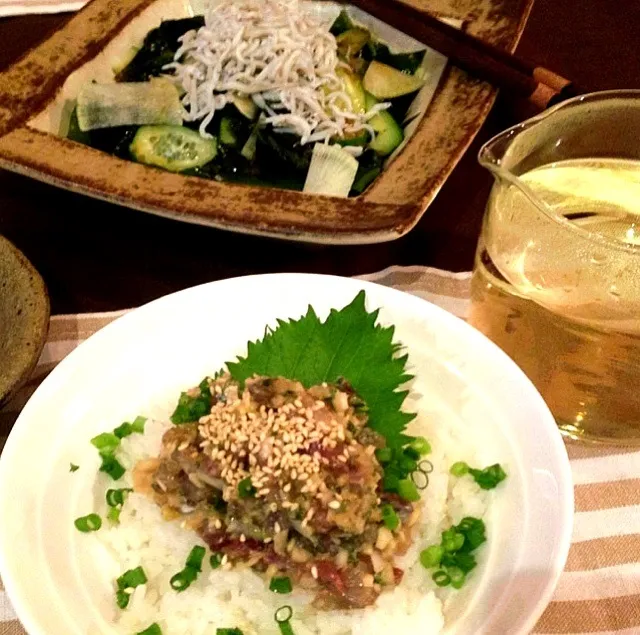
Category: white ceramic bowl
[140,363]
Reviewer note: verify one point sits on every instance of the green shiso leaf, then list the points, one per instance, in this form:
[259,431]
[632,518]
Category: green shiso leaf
[349,345]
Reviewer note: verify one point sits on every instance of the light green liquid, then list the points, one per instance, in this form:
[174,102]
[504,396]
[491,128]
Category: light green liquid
[563,305]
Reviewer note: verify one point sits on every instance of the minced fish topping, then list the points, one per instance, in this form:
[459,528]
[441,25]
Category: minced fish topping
[285,480]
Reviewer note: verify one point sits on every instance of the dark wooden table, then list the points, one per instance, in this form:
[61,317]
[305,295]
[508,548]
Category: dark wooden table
[96,256]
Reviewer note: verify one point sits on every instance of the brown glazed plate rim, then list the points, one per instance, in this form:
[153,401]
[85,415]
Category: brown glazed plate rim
[25,318]
[388,209]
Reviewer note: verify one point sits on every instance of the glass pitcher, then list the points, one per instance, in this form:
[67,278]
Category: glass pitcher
[556,282]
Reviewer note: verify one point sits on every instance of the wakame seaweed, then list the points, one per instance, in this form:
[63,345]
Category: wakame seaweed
[284,150]
[370,165]
[405,62]
[158,50]
[279,159]
[114,140]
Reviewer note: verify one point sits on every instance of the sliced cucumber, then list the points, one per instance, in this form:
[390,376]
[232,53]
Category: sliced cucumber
[332,171]
[128,104]
[386,82]
[120,63]
[406,62]
[358,139]
[351,42]
[228,133]
[353,88]
[245,106]
[172,148]
[389,135]
[251,145]
[368,170]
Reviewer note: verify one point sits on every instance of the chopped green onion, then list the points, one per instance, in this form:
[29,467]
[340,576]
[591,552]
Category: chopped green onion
[441,578]
[474,532]
[390,482]
[408,464]
[128,581]
[426,467]
[205,389]
[408,490]
[280,585]
[215,560]
[420,479]
[283,617]
[131,579]
[389,517]
[384,455]
[138,424]
[192,408]
[114,514]
[154,629]
[431,556]
[73,467]
[106,443]
[112,467]
[228,631]
[420,445]
[117,496]
[452,540]
[183,579]
[489,477]
[453,555]
[459,469]
[122,599]
[123,430]
[85,524]
[411,453]
[466,562]
[126,429]
[285,628]
[283,614]
[195,558]
[246,489]
[456,576]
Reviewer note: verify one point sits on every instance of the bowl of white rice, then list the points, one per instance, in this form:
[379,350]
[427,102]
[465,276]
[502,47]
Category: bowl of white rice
[472,403]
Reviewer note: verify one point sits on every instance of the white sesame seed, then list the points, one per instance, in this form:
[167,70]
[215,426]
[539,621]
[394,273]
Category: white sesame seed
[314,572]
[334,504]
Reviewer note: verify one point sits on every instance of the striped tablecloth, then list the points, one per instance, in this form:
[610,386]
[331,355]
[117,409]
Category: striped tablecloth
[599,591]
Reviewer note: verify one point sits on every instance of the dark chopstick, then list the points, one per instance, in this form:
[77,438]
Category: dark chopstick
[539,85]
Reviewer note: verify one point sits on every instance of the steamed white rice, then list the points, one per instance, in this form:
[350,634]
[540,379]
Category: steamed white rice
[241,599]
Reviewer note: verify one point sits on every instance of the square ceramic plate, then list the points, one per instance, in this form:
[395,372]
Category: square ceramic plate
[32,91]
